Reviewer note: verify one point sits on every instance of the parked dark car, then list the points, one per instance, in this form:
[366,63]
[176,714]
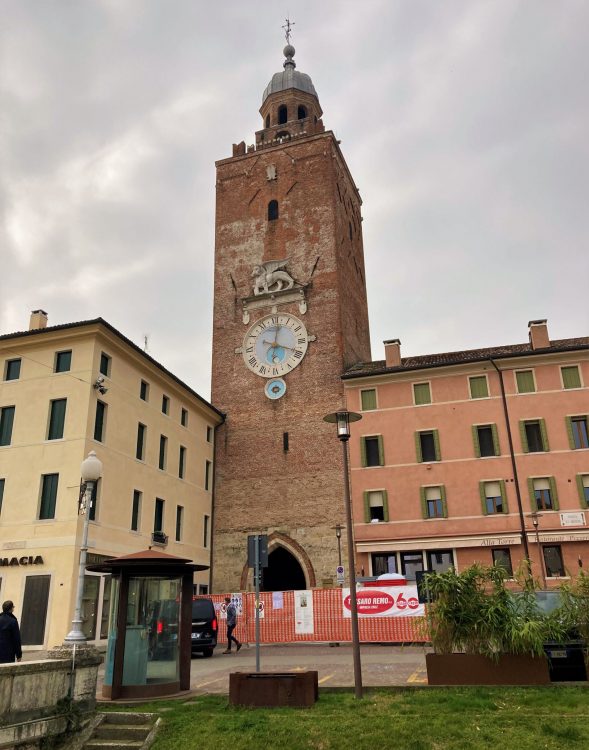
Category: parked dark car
[204,627]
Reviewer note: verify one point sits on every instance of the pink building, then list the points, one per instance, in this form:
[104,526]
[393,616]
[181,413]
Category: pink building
[459,455]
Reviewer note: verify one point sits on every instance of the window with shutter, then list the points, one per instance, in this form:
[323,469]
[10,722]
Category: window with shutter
[421,394]
[56,419]
[571,377]
[372,451]
[578,432]
[583,487]
[525,381]
[368,399]
[478,386]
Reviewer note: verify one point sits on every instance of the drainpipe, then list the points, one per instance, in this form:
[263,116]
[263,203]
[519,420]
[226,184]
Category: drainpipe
[513,465]
[213,496]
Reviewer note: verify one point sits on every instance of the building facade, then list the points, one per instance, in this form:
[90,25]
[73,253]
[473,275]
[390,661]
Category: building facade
[479,455]
[67,390]
[290,315]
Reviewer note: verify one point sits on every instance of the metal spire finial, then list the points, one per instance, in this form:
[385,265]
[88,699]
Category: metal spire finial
[288,29]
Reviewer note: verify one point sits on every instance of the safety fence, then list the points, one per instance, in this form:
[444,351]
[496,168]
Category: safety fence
[314,615]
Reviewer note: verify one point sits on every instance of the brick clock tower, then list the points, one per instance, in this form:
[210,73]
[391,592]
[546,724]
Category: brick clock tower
[290,315]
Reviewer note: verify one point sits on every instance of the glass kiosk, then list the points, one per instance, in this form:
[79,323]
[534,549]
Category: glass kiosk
[149,649]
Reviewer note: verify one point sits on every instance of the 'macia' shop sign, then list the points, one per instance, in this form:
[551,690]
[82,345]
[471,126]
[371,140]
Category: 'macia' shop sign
[8,562]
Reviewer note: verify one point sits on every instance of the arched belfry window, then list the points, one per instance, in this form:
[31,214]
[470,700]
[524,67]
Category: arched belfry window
[302,112]
[272,210]
[282,114]
[267,121]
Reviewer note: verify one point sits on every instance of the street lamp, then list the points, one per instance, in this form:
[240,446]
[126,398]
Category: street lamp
[338,536]
[91,472]
[342,419]
[536,521]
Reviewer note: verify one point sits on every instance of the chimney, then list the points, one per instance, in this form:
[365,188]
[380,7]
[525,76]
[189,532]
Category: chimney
[38,320]
[392,353]
[538,334]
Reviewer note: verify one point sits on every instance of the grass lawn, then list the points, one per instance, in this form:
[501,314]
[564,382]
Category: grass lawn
[423,719]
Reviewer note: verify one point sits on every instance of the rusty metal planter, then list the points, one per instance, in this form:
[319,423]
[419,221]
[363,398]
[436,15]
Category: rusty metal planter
[273,688]
[473,669]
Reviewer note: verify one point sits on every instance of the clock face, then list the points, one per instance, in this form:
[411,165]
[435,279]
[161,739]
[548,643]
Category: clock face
[275,345]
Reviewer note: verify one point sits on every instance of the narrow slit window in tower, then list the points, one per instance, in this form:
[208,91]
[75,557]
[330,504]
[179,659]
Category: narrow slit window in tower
[282,114]
[272,210]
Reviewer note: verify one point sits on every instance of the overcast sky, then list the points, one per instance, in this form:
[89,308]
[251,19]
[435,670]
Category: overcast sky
[465,125]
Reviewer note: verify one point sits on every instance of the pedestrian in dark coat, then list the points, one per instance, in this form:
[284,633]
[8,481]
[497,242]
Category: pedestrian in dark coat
[10,648]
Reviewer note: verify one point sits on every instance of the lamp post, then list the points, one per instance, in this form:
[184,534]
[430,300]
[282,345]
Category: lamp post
[338,536]
[342,419]
[536,521]
[91,472]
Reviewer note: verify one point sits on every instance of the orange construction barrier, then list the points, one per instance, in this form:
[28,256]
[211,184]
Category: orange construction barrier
[329,623]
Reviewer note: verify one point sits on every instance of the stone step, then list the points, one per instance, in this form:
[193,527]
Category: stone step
[101,744]
[122,717]
[122,731]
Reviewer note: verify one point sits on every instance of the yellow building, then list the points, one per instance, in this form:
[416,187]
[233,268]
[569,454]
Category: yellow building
[67,390]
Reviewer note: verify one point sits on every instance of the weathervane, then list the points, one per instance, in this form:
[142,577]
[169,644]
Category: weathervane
[287,29]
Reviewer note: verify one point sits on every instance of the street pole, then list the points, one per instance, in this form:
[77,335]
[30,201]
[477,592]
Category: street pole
[91,471]
[352,568]
[536,521]
[342,419]
[257,576]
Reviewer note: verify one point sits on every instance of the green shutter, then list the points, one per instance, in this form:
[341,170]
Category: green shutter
[368,399]
[366,508]
[385,505]
[478,387]
[522,434]
[581,488]
[475,440]
[444,503]
[496,445]
[569,425]
[553,493]
[437,445]
[423,502]
[533,503]
[418,448]
[504,495]
[544,435]
[380,451]
[363,451]
[483,498]
[421,394]
[525,381]
[56,419]
[571,377]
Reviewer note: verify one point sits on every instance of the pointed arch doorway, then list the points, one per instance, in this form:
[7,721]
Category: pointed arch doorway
[284,572]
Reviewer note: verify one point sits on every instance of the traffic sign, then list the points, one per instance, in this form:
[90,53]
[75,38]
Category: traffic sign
[339,571]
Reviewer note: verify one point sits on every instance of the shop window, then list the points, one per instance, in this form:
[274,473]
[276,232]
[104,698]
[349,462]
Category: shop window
[440,560]
[34,610]
[411,564]
[502,559]
[553,562]
[383,563]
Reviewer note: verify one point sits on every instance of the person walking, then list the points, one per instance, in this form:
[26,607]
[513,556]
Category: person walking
[10,648]
[231,612]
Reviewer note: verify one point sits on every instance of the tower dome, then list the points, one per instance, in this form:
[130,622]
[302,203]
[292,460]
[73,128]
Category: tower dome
[290,78]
